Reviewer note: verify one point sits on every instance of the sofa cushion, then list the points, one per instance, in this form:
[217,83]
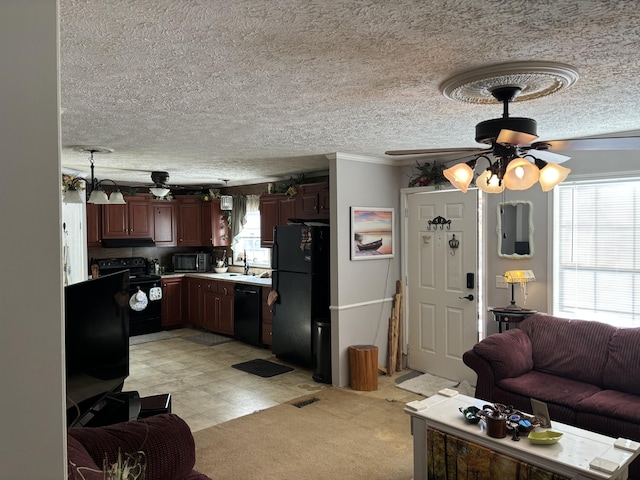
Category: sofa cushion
[622,370]
[165,439]
[80,465]
[509,353]
[610,403]
[549,388]
[575,349]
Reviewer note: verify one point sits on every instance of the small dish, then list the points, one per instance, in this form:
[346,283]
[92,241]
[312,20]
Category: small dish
[221,269]
[547,437]
[470,414]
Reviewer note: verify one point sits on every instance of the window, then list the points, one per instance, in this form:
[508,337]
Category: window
[597,254]
[248,240]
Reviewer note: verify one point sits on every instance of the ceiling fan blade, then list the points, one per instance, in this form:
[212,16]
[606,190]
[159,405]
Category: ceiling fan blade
[436,150]
[608,143]
[548,156]
[512,137]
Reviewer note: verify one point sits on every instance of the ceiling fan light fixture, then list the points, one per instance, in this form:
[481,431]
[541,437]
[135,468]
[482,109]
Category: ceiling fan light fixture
[488,182]
[160,192]
[460,175]
[520,174]
[551,175]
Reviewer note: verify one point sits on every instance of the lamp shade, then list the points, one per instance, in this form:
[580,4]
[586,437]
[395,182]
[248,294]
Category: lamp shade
[551,175]
[520,174]
[489,183]
[72,196]
[159,191]
[117,198]
[460,176]
[519,276]
[98,197]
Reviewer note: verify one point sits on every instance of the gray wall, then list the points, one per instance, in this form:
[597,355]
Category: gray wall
[361,291]
[33,442]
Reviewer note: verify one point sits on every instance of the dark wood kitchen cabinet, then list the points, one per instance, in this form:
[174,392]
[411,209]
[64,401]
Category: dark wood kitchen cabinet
[164,223]
[94,226]
[133,219]
[194,301]
[189,217]
[172,302]
[275,210]
[218,307]
[312,201]
[215,225]
[267,318]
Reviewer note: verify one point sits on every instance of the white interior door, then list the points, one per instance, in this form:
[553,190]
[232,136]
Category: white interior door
[442,322]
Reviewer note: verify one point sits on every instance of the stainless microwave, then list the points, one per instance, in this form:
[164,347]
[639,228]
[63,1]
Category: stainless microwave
[191,262]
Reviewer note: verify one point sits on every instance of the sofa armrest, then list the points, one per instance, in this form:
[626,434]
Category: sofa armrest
[166,440]
[509,353]
[484,372]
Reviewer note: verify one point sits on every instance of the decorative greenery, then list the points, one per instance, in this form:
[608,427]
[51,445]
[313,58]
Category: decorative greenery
[289,188]
[428,174]
[67,181]
[131,467]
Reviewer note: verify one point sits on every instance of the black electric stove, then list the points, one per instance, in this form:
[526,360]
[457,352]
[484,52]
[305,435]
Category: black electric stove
[147,319]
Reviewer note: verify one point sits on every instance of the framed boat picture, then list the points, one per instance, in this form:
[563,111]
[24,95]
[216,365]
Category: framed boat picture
[372,233]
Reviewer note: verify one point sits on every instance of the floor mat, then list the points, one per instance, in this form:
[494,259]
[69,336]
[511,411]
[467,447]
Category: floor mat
[208,339]
[150,337]
[426,384]
[262,368]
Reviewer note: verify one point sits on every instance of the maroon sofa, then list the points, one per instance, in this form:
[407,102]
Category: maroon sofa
[165,439]
[587,372]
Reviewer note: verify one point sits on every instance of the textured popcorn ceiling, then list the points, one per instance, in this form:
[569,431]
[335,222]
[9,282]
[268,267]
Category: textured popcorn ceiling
[246,89]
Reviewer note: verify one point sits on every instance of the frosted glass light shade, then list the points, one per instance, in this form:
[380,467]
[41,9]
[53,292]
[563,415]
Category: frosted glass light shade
[116,198]
[551,175]
[159,191]
[98,197]
[72,196]
[489,183]
[460,176]
[520,174]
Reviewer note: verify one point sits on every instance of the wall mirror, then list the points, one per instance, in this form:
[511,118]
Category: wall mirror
[515,230]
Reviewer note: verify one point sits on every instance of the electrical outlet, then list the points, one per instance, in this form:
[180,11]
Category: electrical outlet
[500,282]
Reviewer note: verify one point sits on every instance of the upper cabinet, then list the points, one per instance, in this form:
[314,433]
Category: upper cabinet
[215,225]
[133,219]
[189,221]
[275,210]
[312,201]
[94,226]
[164,223]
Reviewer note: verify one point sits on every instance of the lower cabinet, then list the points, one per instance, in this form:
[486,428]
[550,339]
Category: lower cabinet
[267,318]
[217,307]
[172,302]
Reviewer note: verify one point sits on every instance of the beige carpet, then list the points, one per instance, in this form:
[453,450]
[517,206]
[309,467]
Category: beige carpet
[342,435]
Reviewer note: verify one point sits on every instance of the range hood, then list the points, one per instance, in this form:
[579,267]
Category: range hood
[127,242]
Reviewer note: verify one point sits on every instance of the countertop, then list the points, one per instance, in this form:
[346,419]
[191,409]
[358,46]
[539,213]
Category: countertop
[227,277]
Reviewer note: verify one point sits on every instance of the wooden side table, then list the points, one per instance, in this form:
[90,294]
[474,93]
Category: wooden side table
[502,315]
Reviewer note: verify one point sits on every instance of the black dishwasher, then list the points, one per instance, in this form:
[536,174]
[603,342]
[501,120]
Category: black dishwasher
[246,313]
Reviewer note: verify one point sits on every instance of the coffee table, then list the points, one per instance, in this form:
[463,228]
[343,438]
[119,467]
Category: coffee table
[570,457]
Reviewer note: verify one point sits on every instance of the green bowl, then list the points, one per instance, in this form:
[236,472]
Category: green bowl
[470,414]
[546,437]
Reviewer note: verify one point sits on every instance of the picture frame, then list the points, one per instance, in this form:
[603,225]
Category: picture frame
[372,233]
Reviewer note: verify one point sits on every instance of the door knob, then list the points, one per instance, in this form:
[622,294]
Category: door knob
[468,297]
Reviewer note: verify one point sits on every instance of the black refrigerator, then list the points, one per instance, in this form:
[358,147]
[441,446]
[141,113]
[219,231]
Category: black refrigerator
[301,278]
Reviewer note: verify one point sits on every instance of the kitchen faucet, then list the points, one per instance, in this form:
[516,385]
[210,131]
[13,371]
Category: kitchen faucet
[246,266]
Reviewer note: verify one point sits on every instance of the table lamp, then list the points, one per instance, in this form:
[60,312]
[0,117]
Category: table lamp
[522,277]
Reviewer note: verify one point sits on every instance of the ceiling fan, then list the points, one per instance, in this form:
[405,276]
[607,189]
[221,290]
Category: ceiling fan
[515,158]
[161,187]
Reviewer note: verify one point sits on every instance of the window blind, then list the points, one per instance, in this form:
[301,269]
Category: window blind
[597,252]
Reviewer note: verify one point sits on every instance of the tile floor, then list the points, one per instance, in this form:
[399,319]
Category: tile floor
[205,389]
